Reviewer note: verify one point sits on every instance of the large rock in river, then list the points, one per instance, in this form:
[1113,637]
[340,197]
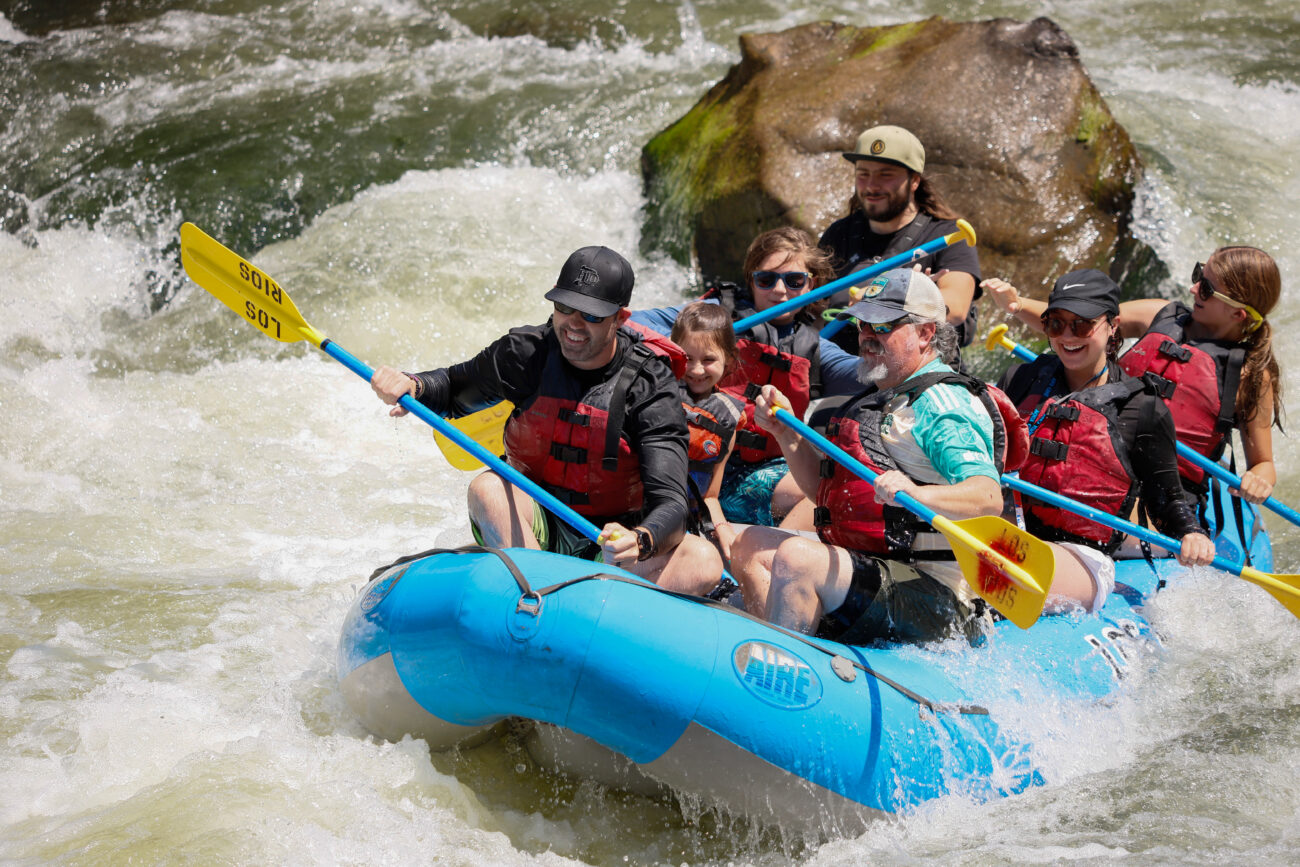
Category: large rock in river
[1017,140]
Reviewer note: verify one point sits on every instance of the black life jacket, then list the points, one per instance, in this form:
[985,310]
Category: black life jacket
[846,512]
[571,441]
[1197,379]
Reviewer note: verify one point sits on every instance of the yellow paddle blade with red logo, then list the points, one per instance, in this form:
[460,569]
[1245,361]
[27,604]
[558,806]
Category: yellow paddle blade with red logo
[1009,568]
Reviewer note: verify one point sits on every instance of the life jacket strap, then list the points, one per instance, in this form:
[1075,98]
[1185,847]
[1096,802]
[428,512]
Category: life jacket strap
[568,454]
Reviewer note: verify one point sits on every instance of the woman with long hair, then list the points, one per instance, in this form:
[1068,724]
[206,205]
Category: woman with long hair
[1097,435]
[1212,362]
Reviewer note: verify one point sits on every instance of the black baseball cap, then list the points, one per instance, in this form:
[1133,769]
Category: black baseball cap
[594,280]
[1087,294]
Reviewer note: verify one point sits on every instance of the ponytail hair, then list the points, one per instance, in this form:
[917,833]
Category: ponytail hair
[1250,276]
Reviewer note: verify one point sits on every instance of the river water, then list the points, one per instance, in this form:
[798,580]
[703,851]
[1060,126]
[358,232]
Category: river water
[187,508]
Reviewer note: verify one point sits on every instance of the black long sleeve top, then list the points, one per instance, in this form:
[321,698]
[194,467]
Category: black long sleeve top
[655,424]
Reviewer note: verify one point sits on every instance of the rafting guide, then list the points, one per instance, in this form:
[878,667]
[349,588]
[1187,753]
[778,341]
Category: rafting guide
[598,423]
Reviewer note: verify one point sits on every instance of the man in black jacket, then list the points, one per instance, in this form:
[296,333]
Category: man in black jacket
[598,423]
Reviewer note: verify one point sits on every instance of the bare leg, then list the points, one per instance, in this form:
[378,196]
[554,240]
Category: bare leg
[694,567]
[502,513]
[809,578]
[1073,582]
[800,517]
[785,496]
[751,564]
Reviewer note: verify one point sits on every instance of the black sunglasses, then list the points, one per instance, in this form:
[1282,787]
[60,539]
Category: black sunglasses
[1205,290]
[1055,326]
[566,310]
[793,280]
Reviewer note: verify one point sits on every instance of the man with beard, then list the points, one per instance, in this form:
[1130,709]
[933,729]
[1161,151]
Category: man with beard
[598,423]
[878,572]
[893,209]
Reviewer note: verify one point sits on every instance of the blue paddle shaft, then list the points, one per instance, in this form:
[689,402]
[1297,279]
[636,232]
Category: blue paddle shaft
[853,465]
[1106,519]
[469,444]
[1194,457]
[899,261]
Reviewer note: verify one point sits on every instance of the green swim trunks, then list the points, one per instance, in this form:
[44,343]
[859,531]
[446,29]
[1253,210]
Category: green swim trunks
[555,536]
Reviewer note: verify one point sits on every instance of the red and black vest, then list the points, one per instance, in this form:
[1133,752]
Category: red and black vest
[570,440]
[1077,449]
[847,513]
[1197,379]
[791,363]
[711,423]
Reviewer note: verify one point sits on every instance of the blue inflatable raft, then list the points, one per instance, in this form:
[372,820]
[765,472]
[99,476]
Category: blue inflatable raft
[637,687]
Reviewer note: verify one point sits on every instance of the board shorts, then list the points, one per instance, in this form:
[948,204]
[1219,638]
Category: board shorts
[555,536]
[891,601]
[746,492]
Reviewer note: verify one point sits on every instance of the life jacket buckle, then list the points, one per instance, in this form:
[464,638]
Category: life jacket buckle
[776,360]
[568,454]
[1176,351]
[821,516]
[1062,411]
[1163,387]
[569,416]
[1050,450]
[826,468]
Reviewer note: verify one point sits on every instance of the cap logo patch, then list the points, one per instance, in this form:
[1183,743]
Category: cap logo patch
[875,287]
[587,276]
[878,146]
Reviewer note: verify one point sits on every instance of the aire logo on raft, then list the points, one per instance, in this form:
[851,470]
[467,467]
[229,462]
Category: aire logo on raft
[776,677]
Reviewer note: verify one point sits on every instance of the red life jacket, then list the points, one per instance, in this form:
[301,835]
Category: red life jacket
[571,441]
[791,363]
[1197,379]
[1076,448]
[711,423]
[847,513]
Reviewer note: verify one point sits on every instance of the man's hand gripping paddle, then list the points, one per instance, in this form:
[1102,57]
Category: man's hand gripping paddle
[1009,568]
[248,291]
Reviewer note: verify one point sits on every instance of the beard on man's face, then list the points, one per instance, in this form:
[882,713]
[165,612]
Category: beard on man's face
[870,372]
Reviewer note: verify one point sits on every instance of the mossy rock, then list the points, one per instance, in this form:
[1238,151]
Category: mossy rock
[1017,138]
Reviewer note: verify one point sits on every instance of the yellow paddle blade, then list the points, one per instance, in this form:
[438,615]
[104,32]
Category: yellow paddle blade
[1285,588]
[1009,568]
[997,338]
[487,427]
[965,232]
[243,287]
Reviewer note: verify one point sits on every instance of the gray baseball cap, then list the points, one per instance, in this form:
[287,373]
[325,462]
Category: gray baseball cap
[895,294]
